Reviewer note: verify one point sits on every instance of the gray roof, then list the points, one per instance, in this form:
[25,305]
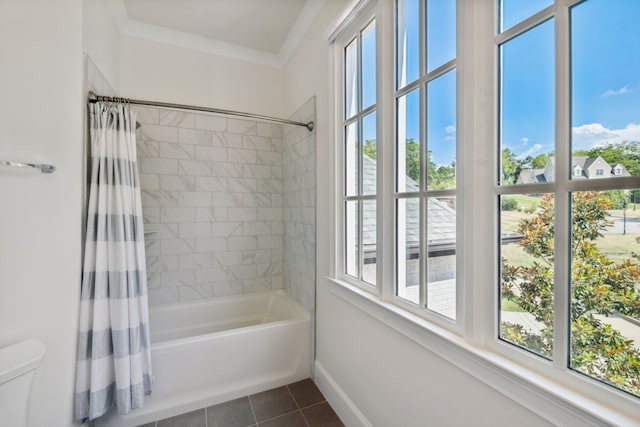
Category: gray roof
[441,222]
[531,176]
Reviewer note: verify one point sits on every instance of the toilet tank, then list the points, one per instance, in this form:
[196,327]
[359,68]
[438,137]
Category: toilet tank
[18,365]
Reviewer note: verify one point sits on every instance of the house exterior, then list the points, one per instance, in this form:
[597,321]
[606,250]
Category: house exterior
[582,167]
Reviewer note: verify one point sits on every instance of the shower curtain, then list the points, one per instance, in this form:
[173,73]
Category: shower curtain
[114,360]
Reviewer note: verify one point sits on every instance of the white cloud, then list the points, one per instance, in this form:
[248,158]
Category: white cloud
[592,135]
[450,129]
[531,151]
[621,91]
[524,140]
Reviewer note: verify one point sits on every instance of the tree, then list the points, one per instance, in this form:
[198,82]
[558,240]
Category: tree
[413,160]
[599,287]
[540,161]
[370,148]
[510,166]
[439,176]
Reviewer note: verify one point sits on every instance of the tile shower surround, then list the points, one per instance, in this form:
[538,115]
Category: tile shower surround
[212,196]
[299,166]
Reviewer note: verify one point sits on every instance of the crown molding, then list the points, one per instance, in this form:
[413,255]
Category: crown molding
[305,19]
[351,12]
[155,33]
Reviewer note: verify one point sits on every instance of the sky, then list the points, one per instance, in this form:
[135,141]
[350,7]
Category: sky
[605,79]
[441,92]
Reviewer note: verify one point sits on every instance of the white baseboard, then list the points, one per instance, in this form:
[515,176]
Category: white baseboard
[338,399]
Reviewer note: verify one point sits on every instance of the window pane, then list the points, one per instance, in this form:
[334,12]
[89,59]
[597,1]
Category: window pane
[408,249]
[369,66]
[408,142]
[441,132]
[407,42]
[369,241]
[527,107]
[351,79]
[605,288]
[351,159]
[369,158]
[441,258]
[441,32]
[526,291]
[514,11]
[351,238]
[605,89]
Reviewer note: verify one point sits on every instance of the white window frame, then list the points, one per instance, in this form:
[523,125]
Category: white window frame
[365,14]
[422,195]
[473,340]
[561,187]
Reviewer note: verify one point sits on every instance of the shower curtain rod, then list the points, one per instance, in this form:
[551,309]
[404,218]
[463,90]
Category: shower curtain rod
[95,98]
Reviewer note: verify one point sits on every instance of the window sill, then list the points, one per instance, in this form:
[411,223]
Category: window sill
[547,398]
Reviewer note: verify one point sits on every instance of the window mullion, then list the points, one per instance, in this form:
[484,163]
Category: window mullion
[422,272]
[562,265]
[386,131]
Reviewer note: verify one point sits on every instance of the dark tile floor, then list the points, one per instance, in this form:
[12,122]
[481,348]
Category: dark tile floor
[299,404]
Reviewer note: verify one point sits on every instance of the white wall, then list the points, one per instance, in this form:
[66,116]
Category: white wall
[158,72]
[353,348]
[40,215]
[101,40]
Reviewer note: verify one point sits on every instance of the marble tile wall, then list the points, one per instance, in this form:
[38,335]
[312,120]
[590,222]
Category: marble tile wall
[299,165]
[229,204]
[212,196]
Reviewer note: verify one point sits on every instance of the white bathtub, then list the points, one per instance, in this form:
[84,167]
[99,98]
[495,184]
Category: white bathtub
[211,351]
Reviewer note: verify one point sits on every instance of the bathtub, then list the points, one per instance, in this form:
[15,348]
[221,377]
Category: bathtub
[210,351]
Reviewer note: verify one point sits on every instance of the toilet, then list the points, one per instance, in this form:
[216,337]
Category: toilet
[18,365]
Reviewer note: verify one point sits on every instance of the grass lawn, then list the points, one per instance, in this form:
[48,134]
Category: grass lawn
[618,247]
[511,219]
[506,305]
[525,202]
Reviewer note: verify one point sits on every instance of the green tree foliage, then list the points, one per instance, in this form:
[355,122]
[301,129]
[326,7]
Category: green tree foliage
[540,161]
[439,176]
[370,148]
[413,159]
[508,203]
[618,198]
[510,166]
[599,287]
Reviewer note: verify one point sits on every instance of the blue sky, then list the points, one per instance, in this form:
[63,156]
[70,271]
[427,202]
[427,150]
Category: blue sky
[605,83]
[605,87]
[440,49]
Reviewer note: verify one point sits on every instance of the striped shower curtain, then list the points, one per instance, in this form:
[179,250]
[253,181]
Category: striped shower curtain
[114,360]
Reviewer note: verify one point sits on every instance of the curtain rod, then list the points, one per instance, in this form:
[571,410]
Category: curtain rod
[95,98]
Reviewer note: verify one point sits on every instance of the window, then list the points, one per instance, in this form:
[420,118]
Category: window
[425,151]
[474,208]
[360,154]
[604,283]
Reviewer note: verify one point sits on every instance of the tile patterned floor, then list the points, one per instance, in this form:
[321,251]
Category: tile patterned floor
[299,404]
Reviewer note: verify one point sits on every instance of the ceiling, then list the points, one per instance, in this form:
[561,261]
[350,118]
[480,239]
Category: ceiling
[261,31]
